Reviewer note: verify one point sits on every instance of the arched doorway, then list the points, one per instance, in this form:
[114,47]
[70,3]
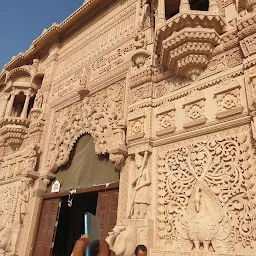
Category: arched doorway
[95,180]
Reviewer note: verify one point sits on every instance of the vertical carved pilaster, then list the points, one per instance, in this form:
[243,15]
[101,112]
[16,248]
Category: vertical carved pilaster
[9,106]
[25,107]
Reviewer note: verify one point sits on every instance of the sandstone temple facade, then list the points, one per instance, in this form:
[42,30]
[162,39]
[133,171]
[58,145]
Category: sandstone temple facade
[161,94]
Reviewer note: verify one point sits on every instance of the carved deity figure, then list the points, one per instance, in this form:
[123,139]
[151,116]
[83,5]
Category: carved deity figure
[122,240]
[24,197]
[141,185]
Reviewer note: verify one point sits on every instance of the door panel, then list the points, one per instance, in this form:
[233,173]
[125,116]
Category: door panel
[47,227]
[107,211]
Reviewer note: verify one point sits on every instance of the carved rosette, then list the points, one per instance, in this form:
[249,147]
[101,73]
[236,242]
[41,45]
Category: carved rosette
[187,41]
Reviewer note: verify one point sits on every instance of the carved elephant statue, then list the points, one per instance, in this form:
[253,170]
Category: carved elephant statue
[5,237]
[122,240]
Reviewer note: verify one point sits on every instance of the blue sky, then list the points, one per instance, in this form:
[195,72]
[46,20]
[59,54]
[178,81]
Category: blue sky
[22,21]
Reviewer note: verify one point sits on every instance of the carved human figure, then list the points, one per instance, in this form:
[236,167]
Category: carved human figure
[141,185]
[24,197]
[122,240]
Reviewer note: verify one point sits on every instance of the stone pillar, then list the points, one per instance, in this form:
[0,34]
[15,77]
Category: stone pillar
[161,12]
[9,106]
[213,6]
[25,107]
[4,107]
[184,6]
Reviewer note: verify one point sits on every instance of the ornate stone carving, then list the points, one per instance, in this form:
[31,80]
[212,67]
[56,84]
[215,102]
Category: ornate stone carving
[20,163]
[187,49]
[94,115]
[118,149]
[141,184]
[122,240]
[166,120]
[13,130]
[205,194]
[194,109]
[135,129]
[229,102]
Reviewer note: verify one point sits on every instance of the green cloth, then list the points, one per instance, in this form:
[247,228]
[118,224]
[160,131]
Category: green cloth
[85,168]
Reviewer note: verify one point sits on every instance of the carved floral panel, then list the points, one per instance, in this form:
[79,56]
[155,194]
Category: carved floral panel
[194,109]
[229,102]
[165,117]
[206,194]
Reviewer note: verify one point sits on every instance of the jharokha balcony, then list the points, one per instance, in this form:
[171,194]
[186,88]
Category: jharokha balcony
[187,34]
[20,87]
[14,120]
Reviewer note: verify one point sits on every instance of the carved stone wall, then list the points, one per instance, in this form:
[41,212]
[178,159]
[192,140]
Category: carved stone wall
[172,100]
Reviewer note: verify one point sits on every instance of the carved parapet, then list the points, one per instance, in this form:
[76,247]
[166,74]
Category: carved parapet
[249,5]
[186,42]
[246,26]
[14,130]
[141,77]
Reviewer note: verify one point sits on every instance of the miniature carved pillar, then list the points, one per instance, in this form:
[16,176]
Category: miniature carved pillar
[213,6]
[161,12]
[25,107]
[184,6]
[9,106]
[4,107]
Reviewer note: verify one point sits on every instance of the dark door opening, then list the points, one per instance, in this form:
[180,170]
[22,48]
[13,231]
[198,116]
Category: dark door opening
[71,222]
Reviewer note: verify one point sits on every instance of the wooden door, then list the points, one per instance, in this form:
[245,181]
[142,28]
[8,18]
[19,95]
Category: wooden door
[47,227]
[107,211]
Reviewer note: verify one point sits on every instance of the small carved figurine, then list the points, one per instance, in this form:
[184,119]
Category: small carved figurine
[141,185]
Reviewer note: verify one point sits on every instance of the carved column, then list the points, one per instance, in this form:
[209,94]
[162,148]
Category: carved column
[9,106]
[184,6]
[25,107]
[4,107]
[213,6]
[161,12]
